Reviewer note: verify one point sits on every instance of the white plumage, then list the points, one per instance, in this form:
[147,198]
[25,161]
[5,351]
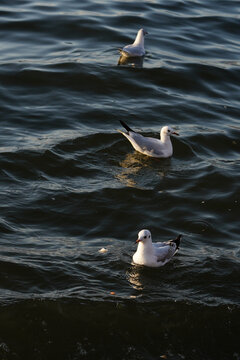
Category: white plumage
[154,254]
[137,48]
[159,148]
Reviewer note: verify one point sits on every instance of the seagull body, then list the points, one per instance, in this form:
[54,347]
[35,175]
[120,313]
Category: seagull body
[154,254]
[159,148]
[137,48]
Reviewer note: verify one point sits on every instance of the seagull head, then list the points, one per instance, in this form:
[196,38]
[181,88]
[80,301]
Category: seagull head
[144,32]
[144,236]
[168,131]
[139,41]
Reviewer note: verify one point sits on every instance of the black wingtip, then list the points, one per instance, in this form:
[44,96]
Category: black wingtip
[126,126]
[177,241]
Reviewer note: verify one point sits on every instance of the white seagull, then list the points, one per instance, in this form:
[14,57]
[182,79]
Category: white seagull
[154,254]
[158,148]
[137,48]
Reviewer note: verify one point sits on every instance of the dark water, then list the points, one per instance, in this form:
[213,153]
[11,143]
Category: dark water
[70,184]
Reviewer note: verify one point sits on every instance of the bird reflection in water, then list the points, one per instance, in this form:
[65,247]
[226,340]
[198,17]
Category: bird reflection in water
[131,166]
[136,61]
[135,165]
[134,276]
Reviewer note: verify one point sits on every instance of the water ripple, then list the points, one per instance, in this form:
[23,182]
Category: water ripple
[70,184]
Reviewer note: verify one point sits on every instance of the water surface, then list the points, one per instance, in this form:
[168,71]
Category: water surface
[71,184]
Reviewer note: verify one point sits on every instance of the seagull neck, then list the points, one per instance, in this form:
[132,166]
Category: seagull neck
[145,247]
[165,138]
[139,39]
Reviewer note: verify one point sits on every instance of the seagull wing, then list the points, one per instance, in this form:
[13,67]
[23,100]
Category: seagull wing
[164,251]
[161,251]
[148,146]
[135,139]
[133,50]
[145,145]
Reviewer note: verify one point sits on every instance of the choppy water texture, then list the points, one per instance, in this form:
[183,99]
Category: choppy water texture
[71,184]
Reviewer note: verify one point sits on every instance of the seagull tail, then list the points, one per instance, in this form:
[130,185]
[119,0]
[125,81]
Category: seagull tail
[177,241]
[126,126]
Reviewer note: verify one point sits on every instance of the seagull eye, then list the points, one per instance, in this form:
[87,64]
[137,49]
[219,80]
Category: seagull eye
[168,130]
[144,237]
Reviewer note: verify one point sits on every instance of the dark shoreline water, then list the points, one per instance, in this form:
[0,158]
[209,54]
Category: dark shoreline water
[110,329]
[70,184]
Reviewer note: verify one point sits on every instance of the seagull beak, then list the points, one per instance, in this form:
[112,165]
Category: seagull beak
[138,240]
[175,133]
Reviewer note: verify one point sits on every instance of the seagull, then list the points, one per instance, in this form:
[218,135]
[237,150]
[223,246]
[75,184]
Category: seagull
[154,254]
[137,48]
[149,146]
